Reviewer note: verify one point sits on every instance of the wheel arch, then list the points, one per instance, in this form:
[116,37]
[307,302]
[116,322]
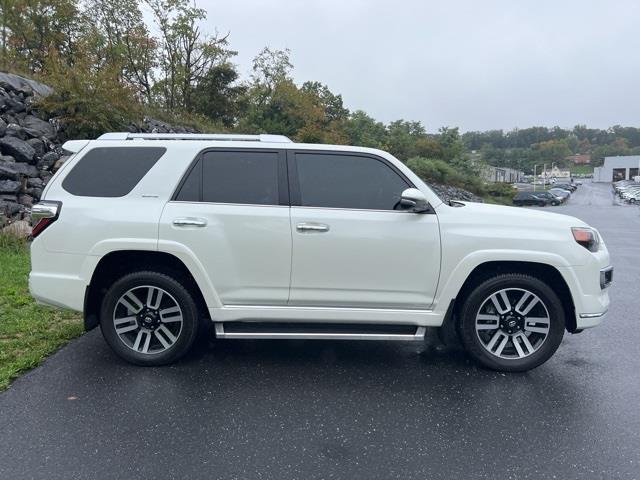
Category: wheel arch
[545,272]
[118,263]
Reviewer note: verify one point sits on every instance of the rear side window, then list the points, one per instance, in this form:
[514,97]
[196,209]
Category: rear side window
[240,177]
[111,171]
[348,181]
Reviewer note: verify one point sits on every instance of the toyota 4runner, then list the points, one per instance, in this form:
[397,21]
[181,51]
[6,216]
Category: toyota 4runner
[151,234]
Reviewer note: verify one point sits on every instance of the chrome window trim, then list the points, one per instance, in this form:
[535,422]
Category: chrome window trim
[228,204]
[292,206]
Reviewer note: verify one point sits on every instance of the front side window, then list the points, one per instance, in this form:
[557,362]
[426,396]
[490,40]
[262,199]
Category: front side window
[240,177]
[348,181]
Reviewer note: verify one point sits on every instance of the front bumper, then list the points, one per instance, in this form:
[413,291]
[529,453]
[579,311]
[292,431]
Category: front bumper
[590,291]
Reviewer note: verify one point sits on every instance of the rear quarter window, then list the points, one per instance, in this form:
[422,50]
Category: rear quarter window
[111,171]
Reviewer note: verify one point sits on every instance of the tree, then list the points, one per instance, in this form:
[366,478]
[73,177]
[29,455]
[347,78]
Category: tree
[186,54]
[36,29]
[551,151]
[311,114]
[122,38]
[363,130]
[402,136]
[219,96]
[619,146]
[89,101]
[270,68]
[331,104]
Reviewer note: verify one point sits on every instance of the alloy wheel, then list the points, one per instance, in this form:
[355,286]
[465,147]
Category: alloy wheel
[512,323]
[148,319]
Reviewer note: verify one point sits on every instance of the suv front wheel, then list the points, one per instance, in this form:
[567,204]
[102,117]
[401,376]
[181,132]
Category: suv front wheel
[512,322]
[149,318]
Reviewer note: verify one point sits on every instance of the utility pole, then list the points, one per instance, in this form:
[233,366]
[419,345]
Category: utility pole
[544,176]
[534,178]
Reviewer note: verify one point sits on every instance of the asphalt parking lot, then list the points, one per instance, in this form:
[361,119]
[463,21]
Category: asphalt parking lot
[315,409]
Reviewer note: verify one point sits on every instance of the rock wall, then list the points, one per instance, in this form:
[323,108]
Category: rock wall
[447,193]
[30,145]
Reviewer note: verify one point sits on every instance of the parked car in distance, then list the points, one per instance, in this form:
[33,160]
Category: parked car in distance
[550,197]
[629,194]
[523,199]
[560,193]
[152,234]
[624,188]
[567,186]
[632,197]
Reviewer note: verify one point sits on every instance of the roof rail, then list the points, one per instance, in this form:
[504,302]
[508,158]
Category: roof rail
[195,136]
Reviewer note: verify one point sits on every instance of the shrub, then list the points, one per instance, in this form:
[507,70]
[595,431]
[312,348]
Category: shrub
[500,190]
[89,101]
[439,171]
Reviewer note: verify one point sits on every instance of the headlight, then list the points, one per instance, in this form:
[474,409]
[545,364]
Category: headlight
[587,237]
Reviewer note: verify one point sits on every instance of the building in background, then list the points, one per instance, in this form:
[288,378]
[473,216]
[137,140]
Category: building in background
[501,175]
[579,159]
[617,168]
[555,172]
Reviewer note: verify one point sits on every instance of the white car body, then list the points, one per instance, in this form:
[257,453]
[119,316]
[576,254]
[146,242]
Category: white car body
[250,262]
[350,281]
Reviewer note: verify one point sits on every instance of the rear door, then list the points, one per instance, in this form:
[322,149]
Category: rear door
[352,247]
[232,212]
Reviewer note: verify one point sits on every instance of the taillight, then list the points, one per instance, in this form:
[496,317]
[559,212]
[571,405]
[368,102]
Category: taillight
[44,214]
[587,237]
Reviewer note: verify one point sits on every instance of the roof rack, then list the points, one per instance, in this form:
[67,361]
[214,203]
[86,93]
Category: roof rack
[195,136]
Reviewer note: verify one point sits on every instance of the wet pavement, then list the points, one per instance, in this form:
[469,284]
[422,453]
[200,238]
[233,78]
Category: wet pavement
[316,409]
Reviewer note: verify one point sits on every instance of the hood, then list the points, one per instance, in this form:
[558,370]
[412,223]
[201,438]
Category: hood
[502,215]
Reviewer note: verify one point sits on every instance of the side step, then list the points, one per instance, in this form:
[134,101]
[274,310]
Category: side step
[316,331]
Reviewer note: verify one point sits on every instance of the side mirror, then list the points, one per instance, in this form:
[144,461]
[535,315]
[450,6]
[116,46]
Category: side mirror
[414,201]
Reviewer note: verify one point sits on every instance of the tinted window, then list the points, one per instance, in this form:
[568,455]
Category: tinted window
[347,181]
[111,171]
[190,190]
[240,177]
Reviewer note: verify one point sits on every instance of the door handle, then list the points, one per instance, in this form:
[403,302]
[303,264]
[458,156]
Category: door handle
[190,222]
[312,227]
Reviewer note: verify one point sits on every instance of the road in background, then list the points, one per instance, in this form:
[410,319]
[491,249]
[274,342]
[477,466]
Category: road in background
[316,409]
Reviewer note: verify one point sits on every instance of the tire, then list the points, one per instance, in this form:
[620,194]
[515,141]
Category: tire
[542,204]
[145,328]
[542,336]
[632,201]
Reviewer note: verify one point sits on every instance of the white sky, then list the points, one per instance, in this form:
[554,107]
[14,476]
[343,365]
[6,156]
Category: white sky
[474,64]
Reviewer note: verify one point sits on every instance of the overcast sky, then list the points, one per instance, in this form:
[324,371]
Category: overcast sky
[474,64]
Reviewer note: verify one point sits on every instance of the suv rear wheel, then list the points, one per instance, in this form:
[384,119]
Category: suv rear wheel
[512,322]
[149,318]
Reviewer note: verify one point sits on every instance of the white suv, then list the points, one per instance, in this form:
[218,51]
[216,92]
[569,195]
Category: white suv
[148,234]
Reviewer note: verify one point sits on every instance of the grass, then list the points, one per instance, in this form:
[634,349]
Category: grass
[498,200]
[28,332]
[581,169]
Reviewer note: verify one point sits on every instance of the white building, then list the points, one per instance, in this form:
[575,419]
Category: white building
[501,175]
[617,168]
[555,172]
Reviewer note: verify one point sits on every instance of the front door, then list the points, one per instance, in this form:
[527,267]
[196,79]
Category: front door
[352,246]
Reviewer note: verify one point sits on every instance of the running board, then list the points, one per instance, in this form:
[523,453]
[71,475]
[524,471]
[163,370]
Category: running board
[314,331]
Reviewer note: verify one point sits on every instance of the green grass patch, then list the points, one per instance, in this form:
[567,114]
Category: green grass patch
[498,200]
[581,170]
[28,332]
